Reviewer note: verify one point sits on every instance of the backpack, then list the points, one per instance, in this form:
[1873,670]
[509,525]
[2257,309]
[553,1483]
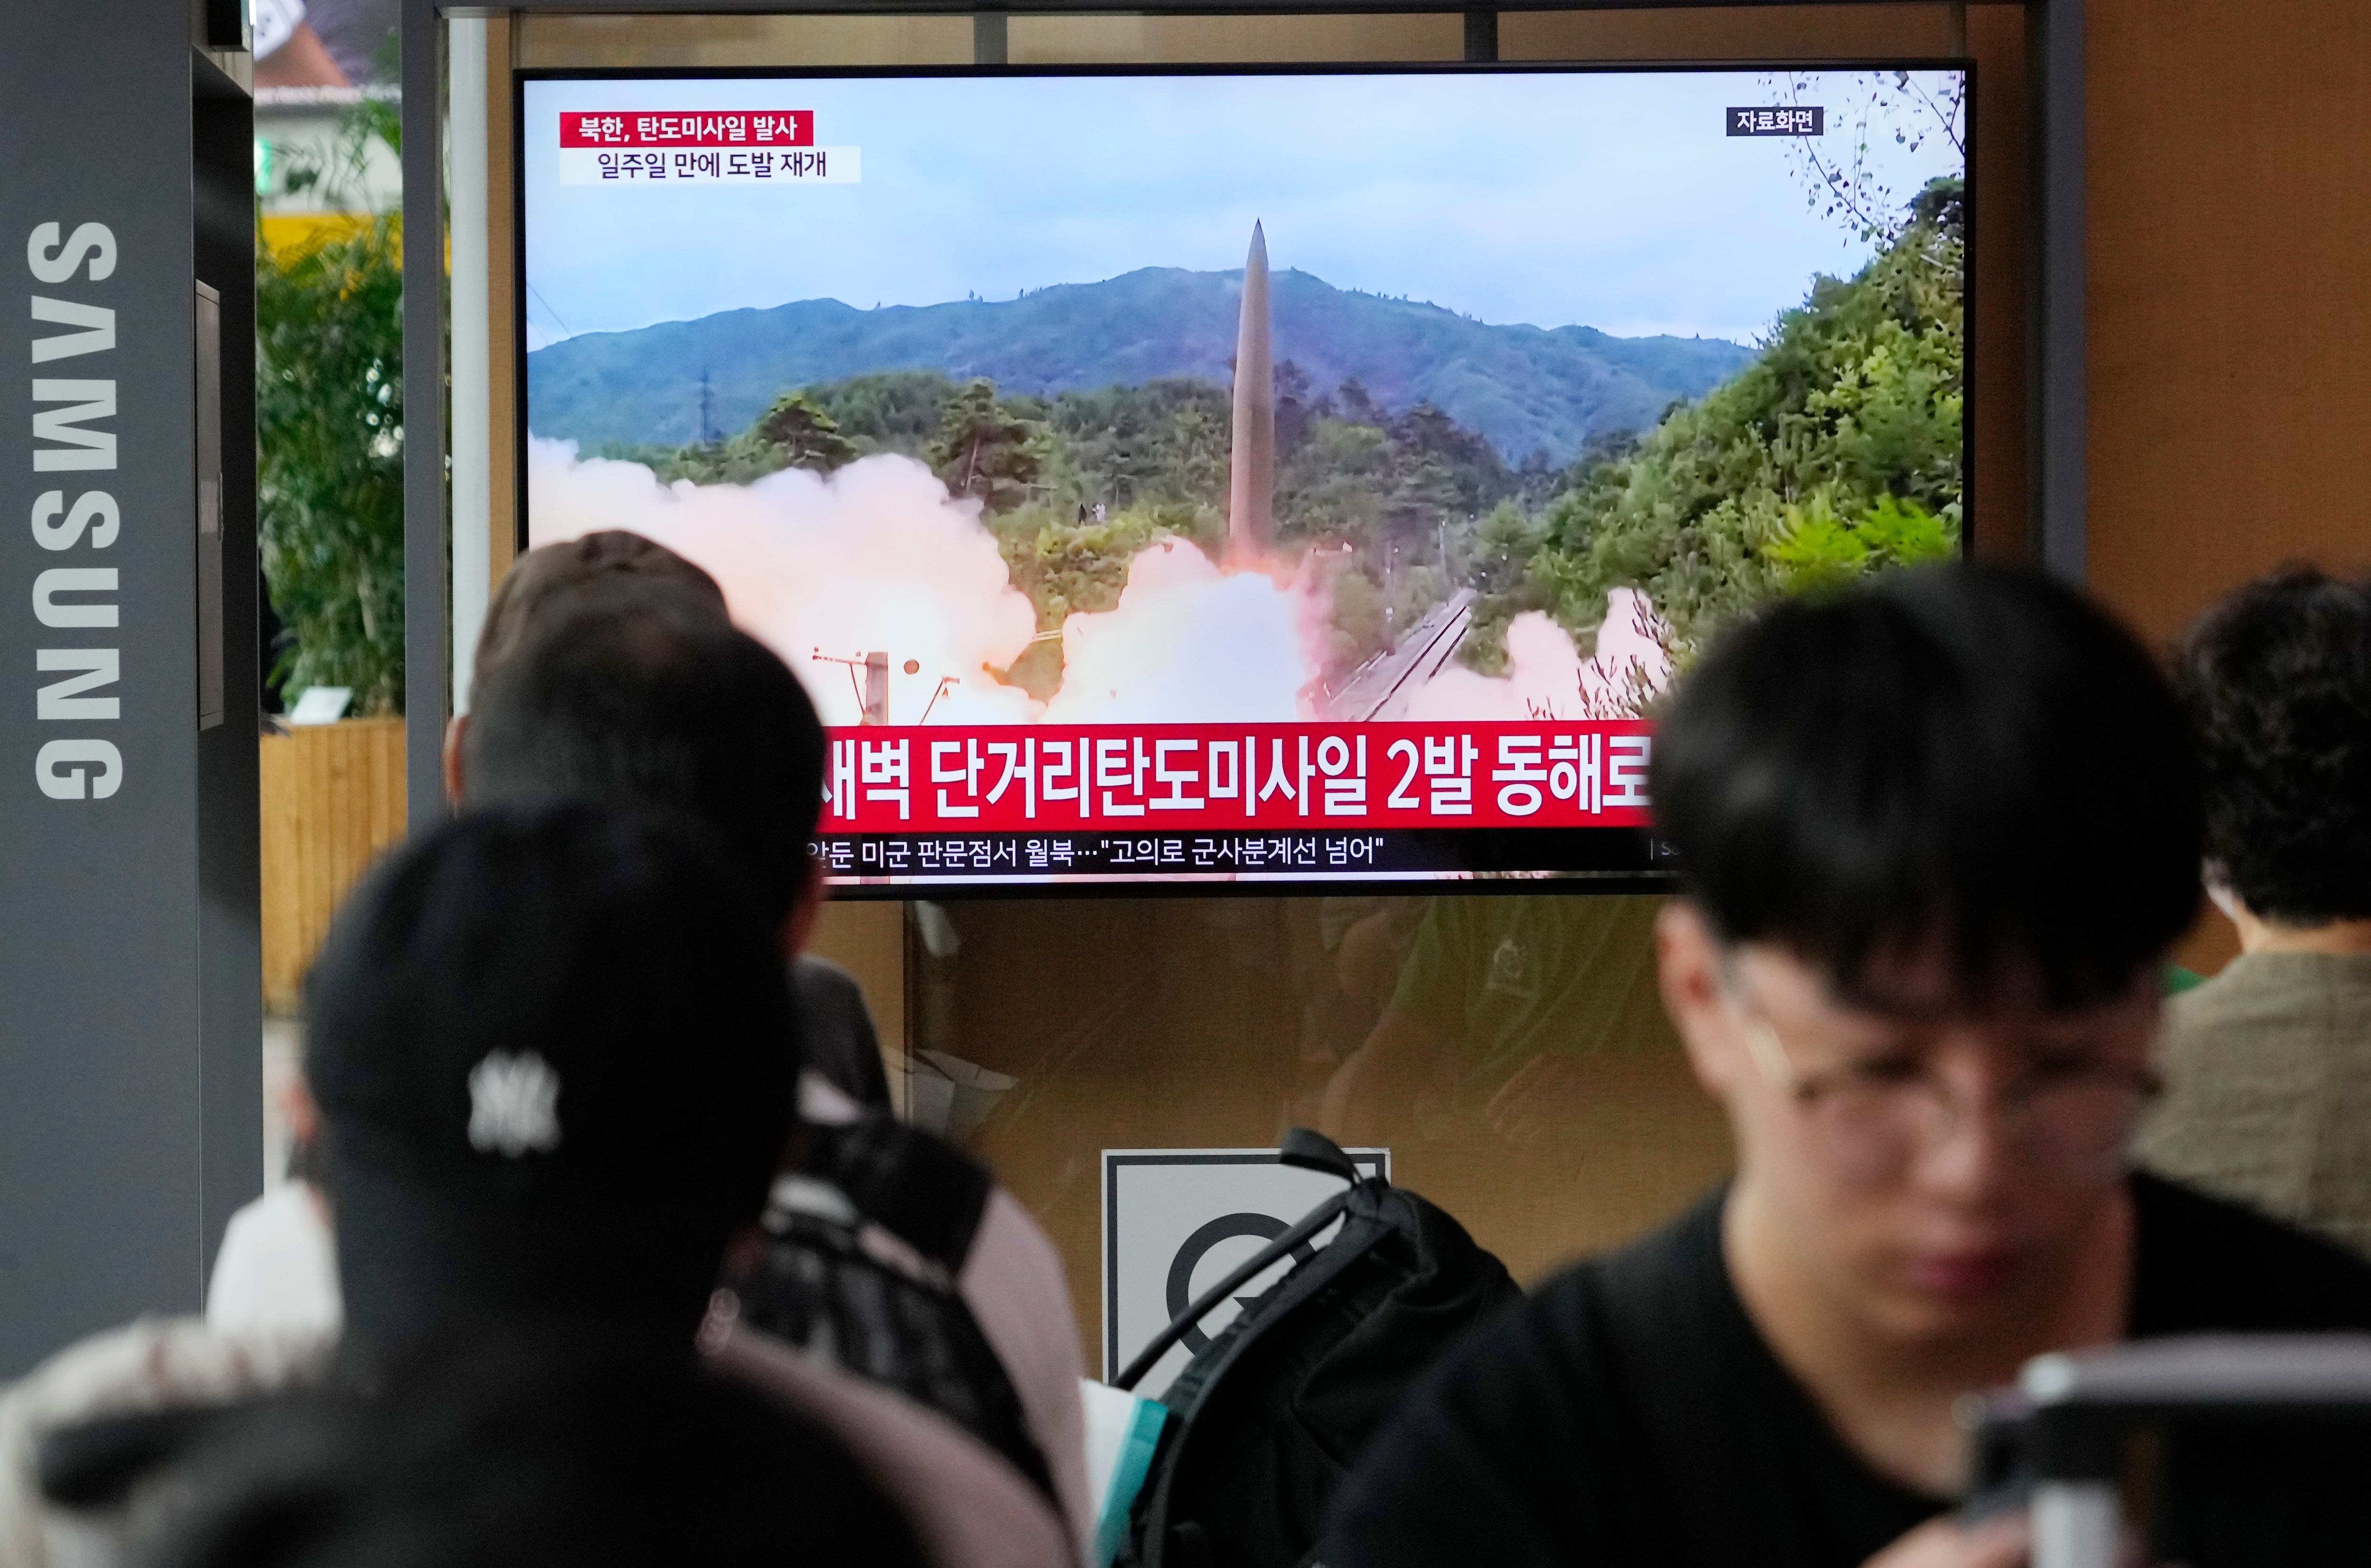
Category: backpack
[1270,1415]
[859,1269]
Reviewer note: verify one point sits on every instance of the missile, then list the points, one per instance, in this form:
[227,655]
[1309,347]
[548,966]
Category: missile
[1250,470]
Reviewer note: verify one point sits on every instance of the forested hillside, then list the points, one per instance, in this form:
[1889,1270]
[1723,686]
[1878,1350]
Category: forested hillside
[1836,451]
[1524,388]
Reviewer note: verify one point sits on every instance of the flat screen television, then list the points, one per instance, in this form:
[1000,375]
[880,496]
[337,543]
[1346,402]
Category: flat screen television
[1259,479]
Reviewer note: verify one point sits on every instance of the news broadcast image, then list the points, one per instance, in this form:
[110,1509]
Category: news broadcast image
[1251,478]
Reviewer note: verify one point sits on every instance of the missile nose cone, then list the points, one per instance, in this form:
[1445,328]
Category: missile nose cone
[1259,244]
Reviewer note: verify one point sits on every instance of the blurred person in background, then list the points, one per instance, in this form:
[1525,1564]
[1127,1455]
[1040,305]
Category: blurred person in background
[288,50]
[620,686]
[2269,1064]
[543,586]
[1935,836]
[1508,1011]
[323,44]
[530,1453]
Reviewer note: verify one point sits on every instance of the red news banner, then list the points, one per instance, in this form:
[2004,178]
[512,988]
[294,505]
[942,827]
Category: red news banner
[716,128]
[1015,778]
[737,146]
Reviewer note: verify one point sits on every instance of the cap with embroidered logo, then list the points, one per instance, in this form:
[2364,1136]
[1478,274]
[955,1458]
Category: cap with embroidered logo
[551,1047]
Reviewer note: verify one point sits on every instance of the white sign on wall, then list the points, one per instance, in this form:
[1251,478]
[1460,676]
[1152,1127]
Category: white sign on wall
[1175,1221]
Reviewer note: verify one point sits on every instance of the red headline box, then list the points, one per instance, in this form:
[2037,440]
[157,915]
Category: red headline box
[719,128]
[1130,778]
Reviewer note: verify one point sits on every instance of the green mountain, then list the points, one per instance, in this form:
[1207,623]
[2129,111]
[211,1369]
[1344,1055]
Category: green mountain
[1527,389]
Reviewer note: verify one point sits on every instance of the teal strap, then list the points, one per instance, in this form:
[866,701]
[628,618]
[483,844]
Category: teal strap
[1127,1478]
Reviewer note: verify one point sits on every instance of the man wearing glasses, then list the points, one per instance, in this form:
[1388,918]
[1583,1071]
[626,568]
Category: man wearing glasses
[1936,836]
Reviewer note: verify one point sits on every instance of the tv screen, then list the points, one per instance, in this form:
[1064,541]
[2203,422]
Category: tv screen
[1268,479]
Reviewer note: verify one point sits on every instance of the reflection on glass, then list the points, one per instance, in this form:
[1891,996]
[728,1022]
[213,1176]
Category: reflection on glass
[1510,1051]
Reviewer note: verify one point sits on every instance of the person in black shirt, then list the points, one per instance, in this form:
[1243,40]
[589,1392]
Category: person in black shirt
[1935,836]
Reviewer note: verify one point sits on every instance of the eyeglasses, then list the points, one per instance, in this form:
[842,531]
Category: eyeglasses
[2069,1111]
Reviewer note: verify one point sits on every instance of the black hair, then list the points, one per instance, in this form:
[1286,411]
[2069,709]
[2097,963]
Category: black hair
[1961,753]
[601,965]
[528,1451]
[2277,683]
[642,693]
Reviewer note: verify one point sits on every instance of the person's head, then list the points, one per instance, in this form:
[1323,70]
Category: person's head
[545,582]
[2276,680]
[547,1045]
[642,695]
[1935,835]
[541,583]
[528,1452]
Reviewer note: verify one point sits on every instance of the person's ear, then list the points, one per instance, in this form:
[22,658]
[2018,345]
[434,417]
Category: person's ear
[1687,964]
[806,907]
[456,728]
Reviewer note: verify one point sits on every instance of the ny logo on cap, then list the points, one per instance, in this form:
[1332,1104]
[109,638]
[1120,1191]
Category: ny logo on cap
[514,1104]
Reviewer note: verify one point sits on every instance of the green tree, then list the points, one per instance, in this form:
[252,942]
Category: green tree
[1836,451]
[806,437]
[1162,443]
[1818,551]
[889,410]
[329,449]
[987,450]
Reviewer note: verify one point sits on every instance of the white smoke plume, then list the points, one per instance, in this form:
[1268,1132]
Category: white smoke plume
[1188,644]
[876,557]
[1547,678]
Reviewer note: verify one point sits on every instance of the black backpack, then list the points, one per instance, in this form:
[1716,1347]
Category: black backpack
[1267,1420]
[899,1322]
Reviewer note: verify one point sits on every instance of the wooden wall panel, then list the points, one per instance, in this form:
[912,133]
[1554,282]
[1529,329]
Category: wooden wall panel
[2230,296]
[2230,306]
[333,803]
[1729,32]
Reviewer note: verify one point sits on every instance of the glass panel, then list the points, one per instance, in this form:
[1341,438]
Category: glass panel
[1730,32]
[1512,1052]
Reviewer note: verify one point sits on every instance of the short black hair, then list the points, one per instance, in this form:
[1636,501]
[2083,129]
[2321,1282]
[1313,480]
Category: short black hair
[1963,753]
[530,1451]
[2276,680]
[548,1044]
[641,694]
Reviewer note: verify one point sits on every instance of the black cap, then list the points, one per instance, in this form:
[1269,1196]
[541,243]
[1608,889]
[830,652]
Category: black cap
[553,1047]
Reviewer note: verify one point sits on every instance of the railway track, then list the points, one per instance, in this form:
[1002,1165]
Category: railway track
[1381,687]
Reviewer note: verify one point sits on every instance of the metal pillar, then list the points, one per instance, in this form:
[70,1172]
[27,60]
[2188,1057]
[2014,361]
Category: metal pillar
[131,1072]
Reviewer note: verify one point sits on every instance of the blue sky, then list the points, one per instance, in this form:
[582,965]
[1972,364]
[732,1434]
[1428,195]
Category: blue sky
[1607,200]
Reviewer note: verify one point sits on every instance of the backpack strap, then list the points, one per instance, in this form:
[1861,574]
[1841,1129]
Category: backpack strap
[817,1287]
[1310,1151]
[1366,1223]
[1308,1225]
[919,1188]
